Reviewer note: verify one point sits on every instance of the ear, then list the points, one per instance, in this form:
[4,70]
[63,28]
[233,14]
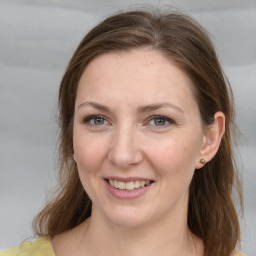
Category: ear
[211,140]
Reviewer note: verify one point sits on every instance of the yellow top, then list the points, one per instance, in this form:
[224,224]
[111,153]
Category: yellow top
[43,247]
[40,247]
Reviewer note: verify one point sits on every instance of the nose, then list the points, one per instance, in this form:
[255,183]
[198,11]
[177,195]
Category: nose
[125,150]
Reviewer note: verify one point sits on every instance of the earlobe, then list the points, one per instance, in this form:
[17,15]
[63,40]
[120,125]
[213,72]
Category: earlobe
[211,140]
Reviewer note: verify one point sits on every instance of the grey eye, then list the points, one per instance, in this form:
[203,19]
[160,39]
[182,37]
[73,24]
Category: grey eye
[159,121]
[95,120]
[98,121]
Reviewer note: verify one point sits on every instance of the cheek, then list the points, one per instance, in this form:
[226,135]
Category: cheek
[174,156]
[89,152]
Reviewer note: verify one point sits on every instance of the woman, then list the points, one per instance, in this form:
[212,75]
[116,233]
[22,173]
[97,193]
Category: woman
[146,162]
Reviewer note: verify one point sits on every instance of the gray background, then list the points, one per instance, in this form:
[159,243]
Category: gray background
[37,39]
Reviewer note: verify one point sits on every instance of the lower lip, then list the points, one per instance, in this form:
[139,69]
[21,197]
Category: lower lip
[127,194]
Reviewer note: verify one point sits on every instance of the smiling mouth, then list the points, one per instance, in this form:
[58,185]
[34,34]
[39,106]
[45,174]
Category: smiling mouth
[131,185]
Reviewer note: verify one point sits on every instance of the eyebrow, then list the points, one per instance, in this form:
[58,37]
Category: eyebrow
[140,110]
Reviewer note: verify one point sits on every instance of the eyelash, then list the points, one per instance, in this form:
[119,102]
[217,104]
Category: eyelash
[170,121]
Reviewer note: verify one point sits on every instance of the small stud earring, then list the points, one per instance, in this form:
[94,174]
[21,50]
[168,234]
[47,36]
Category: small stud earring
[202,161]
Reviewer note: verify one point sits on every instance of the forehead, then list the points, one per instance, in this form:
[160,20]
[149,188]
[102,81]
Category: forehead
[138,75]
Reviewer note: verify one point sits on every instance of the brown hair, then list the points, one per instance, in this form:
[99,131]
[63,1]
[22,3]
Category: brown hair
[211,213]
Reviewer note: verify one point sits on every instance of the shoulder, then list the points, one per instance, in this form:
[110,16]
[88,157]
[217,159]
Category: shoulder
[39,247]
[236,253]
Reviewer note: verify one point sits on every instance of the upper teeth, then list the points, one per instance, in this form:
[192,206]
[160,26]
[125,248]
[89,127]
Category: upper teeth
[128,185]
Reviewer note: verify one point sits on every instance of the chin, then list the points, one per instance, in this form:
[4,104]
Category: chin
[129,218]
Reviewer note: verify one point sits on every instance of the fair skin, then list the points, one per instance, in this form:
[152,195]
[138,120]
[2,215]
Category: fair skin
[147,129]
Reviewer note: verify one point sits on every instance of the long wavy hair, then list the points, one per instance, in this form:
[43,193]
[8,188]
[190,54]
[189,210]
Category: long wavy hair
[211,208]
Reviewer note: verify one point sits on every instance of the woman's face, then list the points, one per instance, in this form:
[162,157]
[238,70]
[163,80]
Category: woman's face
[137,137]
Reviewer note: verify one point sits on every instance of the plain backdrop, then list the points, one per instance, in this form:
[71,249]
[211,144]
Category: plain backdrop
[37,38]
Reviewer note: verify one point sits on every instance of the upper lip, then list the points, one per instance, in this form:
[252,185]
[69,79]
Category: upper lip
[126,179]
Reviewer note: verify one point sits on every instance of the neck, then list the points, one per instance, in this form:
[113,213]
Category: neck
[170,236]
